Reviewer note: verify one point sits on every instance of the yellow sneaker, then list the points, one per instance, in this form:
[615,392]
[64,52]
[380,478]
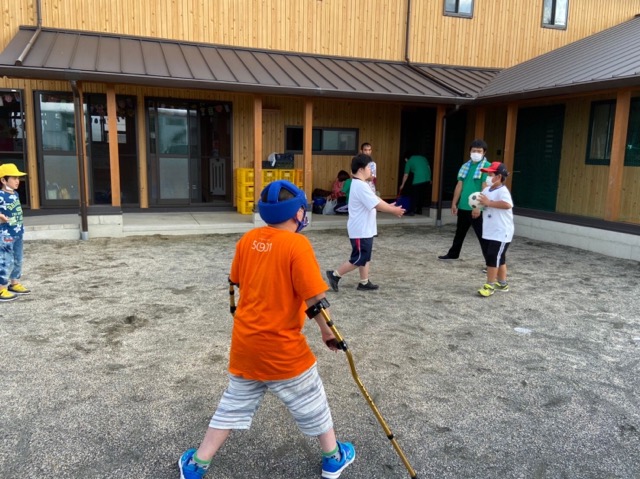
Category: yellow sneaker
[5,295]
[18,289]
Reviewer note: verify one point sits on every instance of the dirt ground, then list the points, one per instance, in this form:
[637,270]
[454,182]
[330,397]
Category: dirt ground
[113,366]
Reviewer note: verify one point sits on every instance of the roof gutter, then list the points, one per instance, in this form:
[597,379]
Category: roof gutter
[35,36]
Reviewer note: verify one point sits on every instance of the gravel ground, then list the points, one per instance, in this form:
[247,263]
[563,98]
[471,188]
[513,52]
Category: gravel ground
[113,366]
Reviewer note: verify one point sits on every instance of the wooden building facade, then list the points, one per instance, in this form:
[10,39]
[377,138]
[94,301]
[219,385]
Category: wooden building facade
[179,139]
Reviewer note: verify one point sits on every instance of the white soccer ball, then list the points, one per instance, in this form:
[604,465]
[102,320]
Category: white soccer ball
[474,200]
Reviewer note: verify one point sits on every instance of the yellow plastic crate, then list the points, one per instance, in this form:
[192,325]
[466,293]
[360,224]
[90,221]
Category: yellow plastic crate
[289,175]
[244,175]
[244,191]
[299,177]
[245,207]
[268,176]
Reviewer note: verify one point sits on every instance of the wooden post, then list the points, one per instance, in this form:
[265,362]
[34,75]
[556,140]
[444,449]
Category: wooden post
[618,149]
[481,114]
[143,177]
[257,148]
[114,157]
[437,153]
[510,140]
[307,146]
[32,155]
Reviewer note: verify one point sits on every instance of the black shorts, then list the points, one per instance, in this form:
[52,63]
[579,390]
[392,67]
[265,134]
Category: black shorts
[495,253]
[361,249]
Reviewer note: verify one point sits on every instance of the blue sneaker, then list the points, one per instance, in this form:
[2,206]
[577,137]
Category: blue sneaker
[188,468]
[331,469]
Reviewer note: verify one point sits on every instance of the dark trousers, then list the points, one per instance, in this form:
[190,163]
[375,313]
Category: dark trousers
[418,193]
[464,222]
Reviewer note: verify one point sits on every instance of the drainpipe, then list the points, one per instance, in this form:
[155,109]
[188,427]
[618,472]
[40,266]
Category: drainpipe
[78,115]
[34,37]
[440,186]
[407,37]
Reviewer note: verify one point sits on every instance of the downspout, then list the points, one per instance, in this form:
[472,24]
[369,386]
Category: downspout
[78,115]
[407,37]
[442,155]
[34,37]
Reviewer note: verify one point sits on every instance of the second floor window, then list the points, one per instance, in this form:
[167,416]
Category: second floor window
[458,8]
[554,13]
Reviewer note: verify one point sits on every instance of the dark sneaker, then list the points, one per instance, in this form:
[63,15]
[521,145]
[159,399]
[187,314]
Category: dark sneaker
[368,286]
[333,280]
[446,256]
[188,468]
[331,469]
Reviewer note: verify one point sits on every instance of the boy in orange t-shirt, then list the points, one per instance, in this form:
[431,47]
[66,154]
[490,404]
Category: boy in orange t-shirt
[279,278]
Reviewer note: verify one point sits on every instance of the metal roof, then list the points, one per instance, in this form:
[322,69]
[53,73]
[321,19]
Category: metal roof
[85,56]
[608,59]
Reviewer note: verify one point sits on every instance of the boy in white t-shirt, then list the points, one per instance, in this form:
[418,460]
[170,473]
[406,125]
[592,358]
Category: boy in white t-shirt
[362,226]
[497,227]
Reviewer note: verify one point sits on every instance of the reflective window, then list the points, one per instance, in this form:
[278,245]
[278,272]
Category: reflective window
[458,8]
[324,141]
[600,132]
[555,13]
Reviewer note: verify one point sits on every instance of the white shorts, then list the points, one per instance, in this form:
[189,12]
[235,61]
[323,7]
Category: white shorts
[303,396]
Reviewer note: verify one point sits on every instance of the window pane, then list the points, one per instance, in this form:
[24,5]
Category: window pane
[11,122]
[561,12]
[172,131]
[450,6]
[547,12]
[601,121]
[58,125]
[339,140]
[554,12]
[466,6]
[61,177]
[462,7]
[632,154]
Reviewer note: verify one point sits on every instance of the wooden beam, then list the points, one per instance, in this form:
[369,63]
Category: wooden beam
[307,146]
[30,131]
[257,148]
[437,153]
[618,149]
[114,157]
[143,178]
[481,114]
[510,139]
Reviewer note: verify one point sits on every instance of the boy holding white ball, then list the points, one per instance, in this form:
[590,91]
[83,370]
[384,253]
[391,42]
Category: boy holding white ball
[497,227]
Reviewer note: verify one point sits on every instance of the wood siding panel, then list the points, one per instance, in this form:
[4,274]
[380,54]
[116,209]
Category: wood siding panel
[582,188]
[501,33]
[378,124]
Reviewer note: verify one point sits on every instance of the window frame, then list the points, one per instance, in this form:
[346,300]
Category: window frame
[457,12]
[554,13]
[320,131]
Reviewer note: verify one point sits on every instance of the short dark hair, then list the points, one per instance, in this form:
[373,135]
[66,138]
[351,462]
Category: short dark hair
[478,143]
[359,161]
[343,175]
[365,144]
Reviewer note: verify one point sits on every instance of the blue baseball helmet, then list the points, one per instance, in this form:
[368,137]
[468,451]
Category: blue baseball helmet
[272,211]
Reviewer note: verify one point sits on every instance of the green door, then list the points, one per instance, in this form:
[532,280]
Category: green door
[537,157]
